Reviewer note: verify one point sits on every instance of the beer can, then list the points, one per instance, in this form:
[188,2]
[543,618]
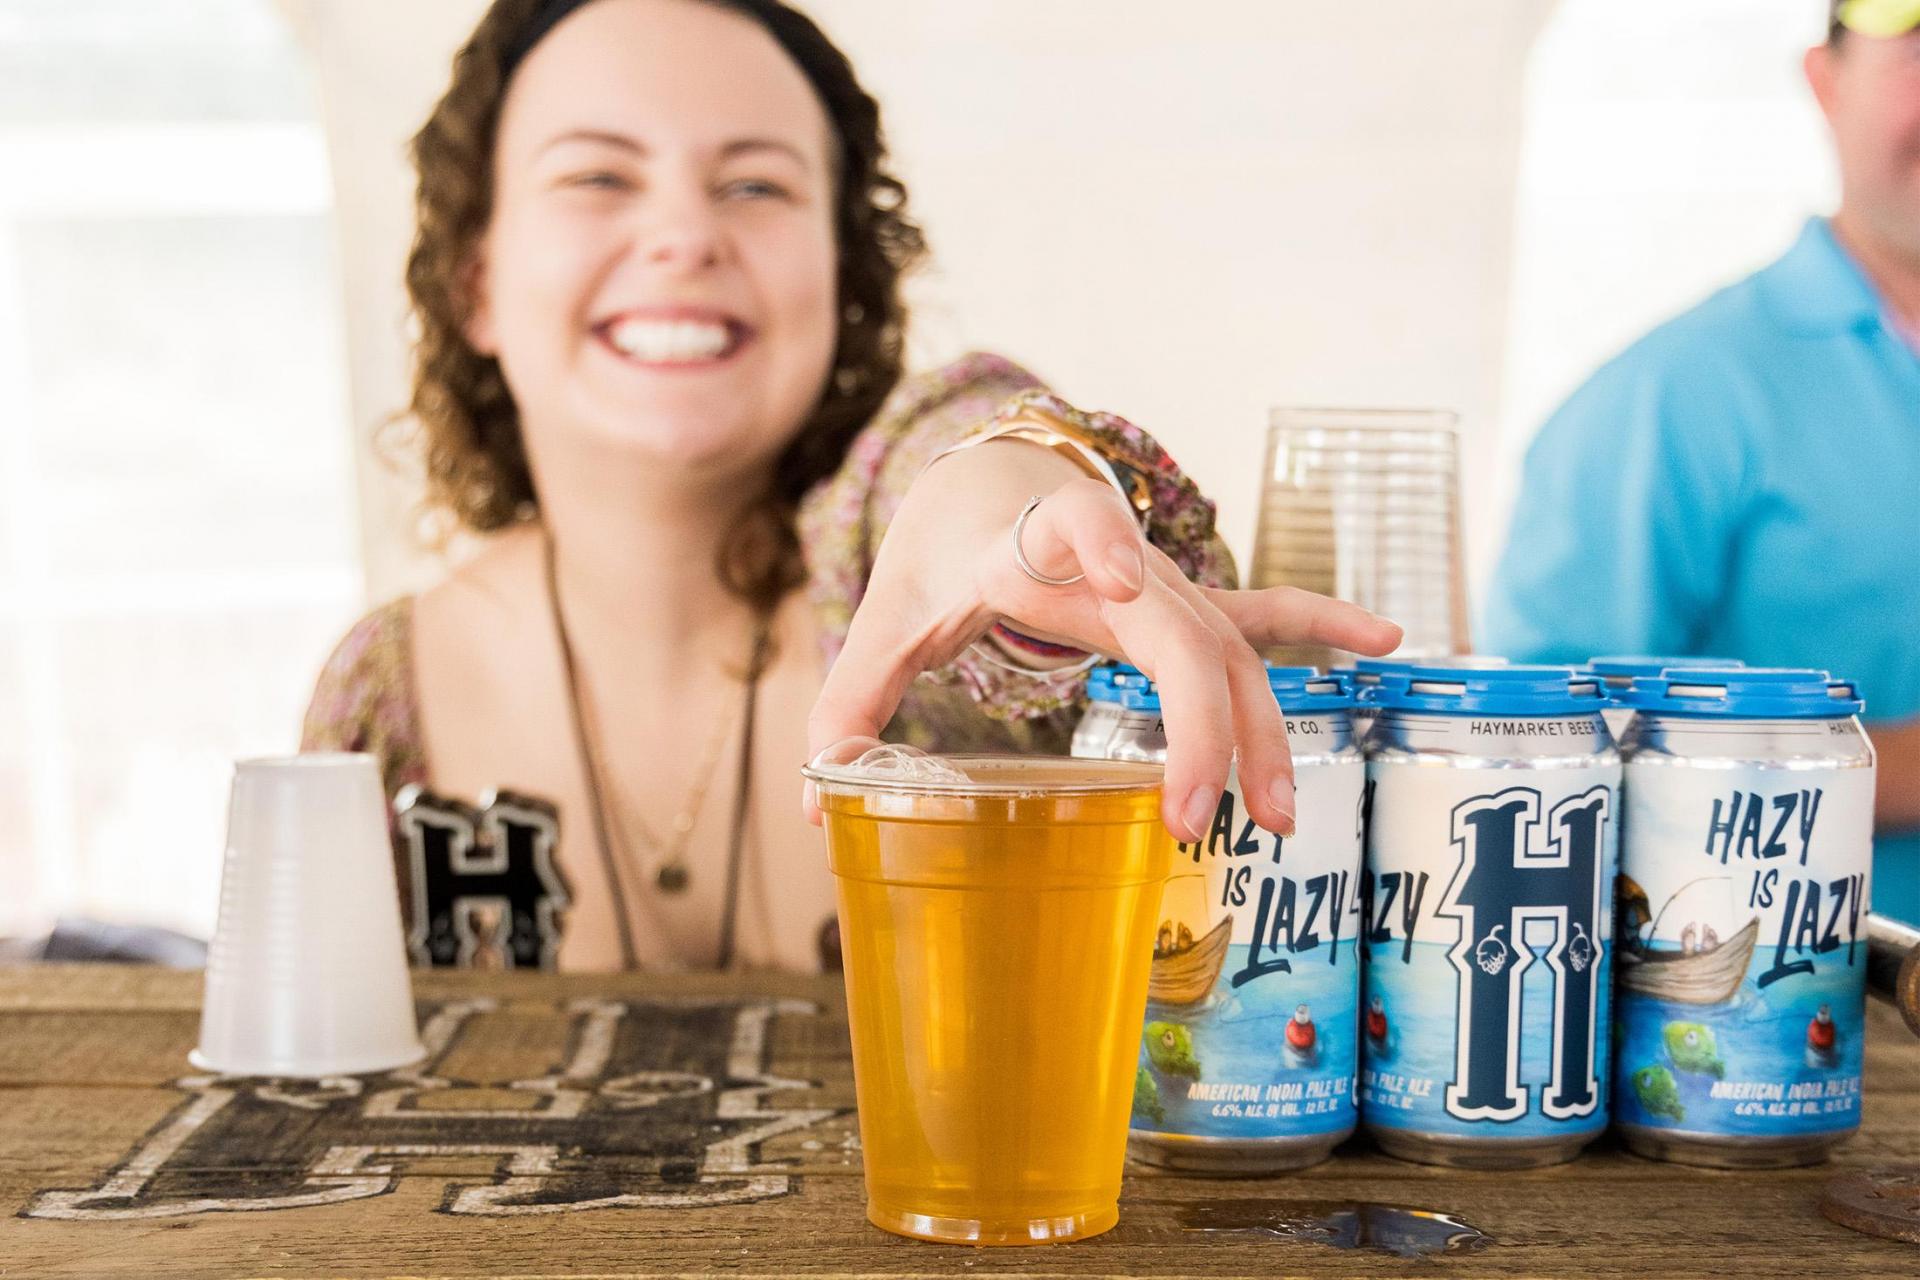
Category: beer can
[1104,686]
[1249,1052]
[1490,862]
[1618,673]
[1745,868]
[1364,675]
[1362,682]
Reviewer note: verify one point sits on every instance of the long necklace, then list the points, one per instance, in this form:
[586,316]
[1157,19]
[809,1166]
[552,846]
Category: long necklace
[673,875]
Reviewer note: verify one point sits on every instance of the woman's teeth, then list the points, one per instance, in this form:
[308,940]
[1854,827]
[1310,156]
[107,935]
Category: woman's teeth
[664,341]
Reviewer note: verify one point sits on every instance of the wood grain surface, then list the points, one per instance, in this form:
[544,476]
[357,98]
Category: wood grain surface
[703,1126]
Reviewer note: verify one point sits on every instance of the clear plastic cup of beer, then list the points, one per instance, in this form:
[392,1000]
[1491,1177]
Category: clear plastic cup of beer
[996,925]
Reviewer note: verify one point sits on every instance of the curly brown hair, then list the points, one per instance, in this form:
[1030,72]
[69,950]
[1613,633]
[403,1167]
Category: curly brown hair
[464,416]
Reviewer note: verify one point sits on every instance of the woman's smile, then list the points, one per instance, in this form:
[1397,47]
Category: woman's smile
[674,338]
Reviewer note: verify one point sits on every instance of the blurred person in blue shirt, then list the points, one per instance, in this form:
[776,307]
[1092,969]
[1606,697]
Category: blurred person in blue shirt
[1745,480]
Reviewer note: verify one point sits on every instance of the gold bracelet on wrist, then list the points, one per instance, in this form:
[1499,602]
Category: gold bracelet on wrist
[1035,425]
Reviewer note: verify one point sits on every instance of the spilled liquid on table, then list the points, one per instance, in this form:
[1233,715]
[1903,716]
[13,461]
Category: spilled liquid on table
[1342,1224]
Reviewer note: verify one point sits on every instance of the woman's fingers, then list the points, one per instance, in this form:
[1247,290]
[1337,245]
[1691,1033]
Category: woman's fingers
[1085,527]
[1288,615]
[851,705]
[862,690]
[893,638]
[1198,644]
[1163,635]
[1259,729]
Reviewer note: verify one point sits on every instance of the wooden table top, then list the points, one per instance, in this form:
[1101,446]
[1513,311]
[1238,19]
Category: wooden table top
[641,1126]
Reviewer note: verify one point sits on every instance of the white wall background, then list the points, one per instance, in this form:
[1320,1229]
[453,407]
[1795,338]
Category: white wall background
[177,531]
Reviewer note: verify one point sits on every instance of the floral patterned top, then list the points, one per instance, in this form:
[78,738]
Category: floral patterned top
[366,697]
[364,700]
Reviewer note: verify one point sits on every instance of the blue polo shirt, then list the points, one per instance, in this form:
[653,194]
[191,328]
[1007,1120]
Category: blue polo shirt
[1743,481]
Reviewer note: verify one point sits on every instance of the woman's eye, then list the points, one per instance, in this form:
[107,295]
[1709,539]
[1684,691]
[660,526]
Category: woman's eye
[597,180]
[756,189]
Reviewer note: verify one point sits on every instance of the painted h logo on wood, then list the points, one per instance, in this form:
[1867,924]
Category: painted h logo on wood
[654,1105]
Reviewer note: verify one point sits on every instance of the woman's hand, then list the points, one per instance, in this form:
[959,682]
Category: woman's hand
[946,573]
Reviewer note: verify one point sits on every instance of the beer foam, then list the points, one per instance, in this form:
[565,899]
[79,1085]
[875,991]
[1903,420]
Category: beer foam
[901,763]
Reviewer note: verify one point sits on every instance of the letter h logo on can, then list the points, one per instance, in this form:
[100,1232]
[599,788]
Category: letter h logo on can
[1499,884]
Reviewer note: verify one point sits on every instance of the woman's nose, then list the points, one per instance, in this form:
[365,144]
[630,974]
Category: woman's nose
[680,232]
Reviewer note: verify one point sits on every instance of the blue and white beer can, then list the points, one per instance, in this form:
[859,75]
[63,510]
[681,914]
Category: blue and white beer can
[1364,677]
[1249,1051]
[1490,862]
[1105,686]
[1618,672]
[1745,866]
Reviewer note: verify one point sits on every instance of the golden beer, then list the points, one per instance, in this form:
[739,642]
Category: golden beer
[996,933]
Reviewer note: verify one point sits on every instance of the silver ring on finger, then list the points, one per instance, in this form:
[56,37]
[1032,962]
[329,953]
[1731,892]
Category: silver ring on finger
[1020,555]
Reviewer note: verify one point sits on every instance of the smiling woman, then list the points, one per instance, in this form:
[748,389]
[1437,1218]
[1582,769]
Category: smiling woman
[656,273]
[572,162]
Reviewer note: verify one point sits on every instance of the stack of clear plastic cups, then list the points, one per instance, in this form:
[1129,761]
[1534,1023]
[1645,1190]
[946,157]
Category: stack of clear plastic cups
[1365,505]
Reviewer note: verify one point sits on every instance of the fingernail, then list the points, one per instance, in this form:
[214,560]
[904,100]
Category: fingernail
[1198,815]
[1123,561]
[1280,795]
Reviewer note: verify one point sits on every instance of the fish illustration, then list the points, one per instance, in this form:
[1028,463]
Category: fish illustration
[1692,1048]
[1146,1097]
[1491,955]
[1170,1049]
[1580,949]
[1658,1093]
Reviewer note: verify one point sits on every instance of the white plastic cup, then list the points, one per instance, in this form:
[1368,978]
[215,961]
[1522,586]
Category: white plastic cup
[307,974]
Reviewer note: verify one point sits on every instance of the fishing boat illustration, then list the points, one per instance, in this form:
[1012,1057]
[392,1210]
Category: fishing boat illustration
[1184,974]
[1185,967]
[1704,970]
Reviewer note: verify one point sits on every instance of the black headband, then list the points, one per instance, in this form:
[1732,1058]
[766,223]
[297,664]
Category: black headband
[550,15]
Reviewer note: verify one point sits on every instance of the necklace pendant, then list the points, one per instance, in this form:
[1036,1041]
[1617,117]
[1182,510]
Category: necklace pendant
[672,878]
